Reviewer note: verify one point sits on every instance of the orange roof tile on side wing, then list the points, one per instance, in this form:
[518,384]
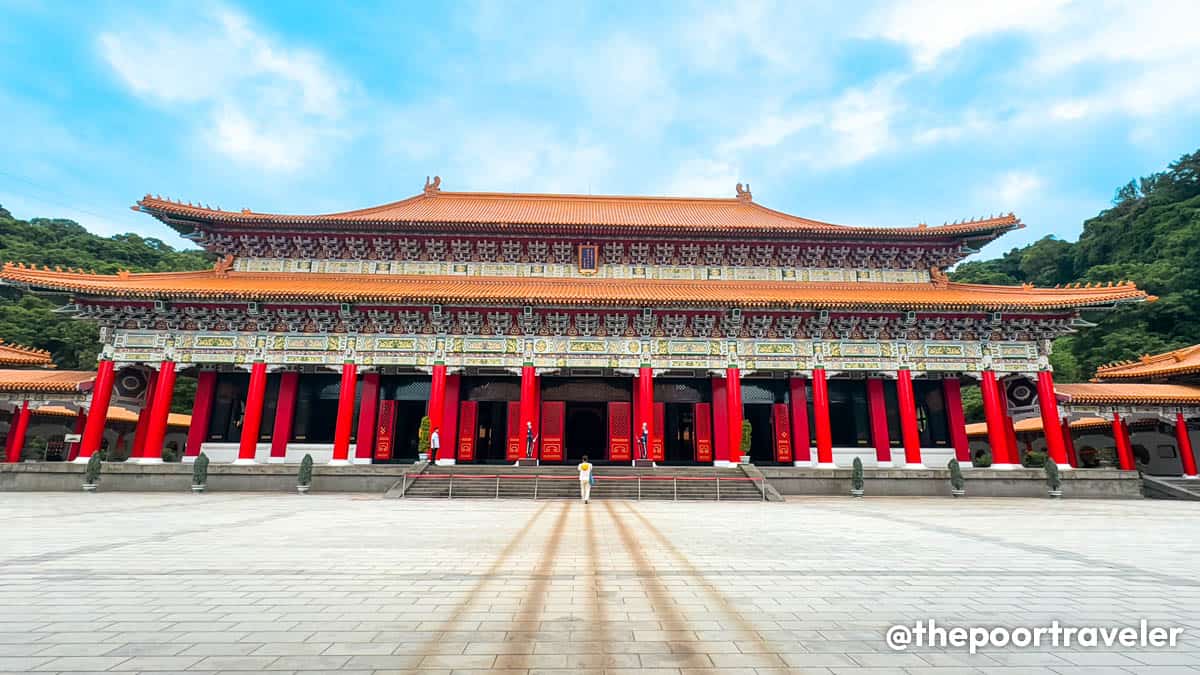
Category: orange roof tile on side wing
[20,355]
[460,290]
[1183,361]
[1103,393]
[60,381]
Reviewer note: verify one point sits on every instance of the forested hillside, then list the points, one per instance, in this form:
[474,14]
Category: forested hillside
[1151,236]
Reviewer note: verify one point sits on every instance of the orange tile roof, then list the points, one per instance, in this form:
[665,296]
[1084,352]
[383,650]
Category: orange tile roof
[1098,393]
[1178,362]
[46,380]
[20,355]
[431,289]
[1034,425]
[115,414]
[576,212]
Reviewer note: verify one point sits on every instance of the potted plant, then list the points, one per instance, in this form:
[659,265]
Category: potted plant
[1053,480]
[982,459]
[200,473]
[423,440]
[958,486]
[304,478]
[91,474]
[747,436]
[856,478]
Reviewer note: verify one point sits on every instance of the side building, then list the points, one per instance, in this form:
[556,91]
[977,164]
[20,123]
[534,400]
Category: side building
[564,325]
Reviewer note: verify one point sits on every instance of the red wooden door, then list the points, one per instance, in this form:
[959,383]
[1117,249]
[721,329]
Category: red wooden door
[516,444]
[703,433]
[553,413]
[783,434]
[656,443]
[619,440]
[468,414]
[385,428]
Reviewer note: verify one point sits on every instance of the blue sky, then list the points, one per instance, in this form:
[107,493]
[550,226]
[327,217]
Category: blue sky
[889,113]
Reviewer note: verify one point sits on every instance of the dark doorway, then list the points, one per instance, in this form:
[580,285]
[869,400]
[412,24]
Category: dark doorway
[586,431]
[679,434]
[762,437]
[491,433]
[408,423]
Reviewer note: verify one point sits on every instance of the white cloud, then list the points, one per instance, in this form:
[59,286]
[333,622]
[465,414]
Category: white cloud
[1014,189]
[257,101]
[703,178]
[932,28]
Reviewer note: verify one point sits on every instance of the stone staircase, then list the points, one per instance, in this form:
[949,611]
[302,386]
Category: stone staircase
[467,481]
[1166,487]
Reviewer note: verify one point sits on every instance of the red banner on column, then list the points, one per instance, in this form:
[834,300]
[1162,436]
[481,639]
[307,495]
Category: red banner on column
[468,413]
[516,444]
[552,430]
[618,431]
[656,442]
[704,447]
[385,428]
[783,434]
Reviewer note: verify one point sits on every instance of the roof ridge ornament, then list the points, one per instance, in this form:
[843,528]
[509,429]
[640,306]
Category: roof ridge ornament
[743,193]
[434,186]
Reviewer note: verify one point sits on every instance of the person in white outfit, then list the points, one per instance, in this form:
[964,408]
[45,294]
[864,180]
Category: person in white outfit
[435,444]
[585,479]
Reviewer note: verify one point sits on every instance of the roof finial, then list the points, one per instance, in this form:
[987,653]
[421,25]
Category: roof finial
[743,193]
[434,186]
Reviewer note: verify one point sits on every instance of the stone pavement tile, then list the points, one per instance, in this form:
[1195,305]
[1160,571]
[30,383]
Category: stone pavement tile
[77,663]
[17,663]
[822,659]
[235,662]
[424,648]
[280,636]
[360,648]
[1163,670]
[148,649]
[385,661]
[1167,657]
[1090,670]
[221,649]
[676,660]
[309,662]
[1090,658]
[157,663]
[892,660]
[1025,659]
[76,649]
[458,661]
[290,649]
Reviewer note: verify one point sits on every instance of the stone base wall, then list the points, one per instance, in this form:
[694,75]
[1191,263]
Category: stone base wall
[177,477]
[1079,483]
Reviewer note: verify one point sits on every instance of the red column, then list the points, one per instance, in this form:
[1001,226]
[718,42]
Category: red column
[252,420]
[877,410]
[368,408]
[93,429]
[733,412]
[449,433]
[645,403]
[206,384]
[821,419]
[143,420]
[720,422]
[437,410]
[156,428]
[993,412]
[1125,459]
[17,434]
[910,433]
[1185,446]
[1050,423]
[528,404]
[73,448]
[345,415]
[952,394]
[798,395]
[1069,443]
[285,411]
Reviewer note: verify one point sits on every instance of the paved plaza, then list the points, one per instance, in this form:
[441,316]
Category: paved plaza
[283,583]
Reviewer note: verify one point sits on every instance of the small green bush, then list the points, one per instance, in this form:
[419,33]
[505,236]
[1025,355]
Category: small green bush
[982,459]
[856,474]
[423,434]
[1053,479]
[91,474]
[1033,460]
[747,436]
[200,470]
[956,478]
[305,475]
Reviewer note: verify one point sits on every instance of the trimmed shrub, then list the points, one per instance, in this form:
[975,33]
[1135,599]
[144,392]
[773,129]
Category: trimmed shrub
[423,434]
[956,478]
[1053,479]
[982,459]
[200,470]
[747,437]
[856,474]
[91,475]
[1033,460]
[305,475]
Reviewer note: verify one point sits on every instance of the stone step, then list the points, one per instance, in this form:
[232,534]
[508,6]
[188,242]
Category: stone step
[508,488]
